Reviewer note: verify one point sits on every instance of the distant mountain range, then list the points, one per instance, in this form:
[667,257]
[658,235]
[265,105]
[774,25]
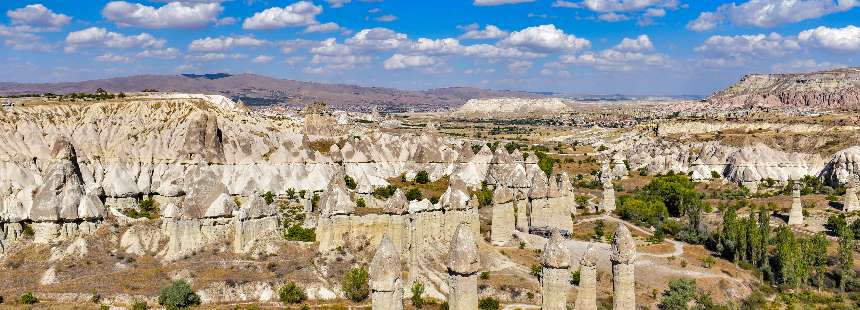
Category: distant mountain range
[262,90]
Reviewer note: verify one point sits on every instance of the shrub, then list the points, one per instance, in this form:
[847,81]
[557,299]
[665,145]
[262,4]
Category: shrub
[574,277]
[417,291]
[269,197]
[485,275]
[291,293]
[139,305]
[422,177]
[147,209]
[350,182]
[650,212]
[536,270]
[384,192]
[715,175]
[414,194]
[545,162]
[178,295]
[95,297]
[27,230]
[355,284]
[359,203]
[299,233]
[485,195]
[28,299]
[488,303]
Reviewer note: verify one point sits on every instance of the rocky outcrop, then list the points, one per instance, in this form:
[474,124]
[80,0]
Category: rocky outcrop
[586,298]
[839,88]
[511,106]
[795,215]
[623,281]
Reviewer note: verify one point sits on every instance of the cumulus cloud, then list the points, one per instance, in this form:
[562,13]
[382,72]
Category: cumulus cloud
[210,44]
[565,4]
[615,60]
[385,18]
[337,3]
[262,59]
[498,2]
[804,65]
[215,57]
[474,31]
[100,37]
[167,53]
[845,39]
[756,45]
[769,13]
[299,14]
[642,43]
[327,27]
[400,61]
[171,15]
[612,17]
[545,39]
[330,47]
[520,66]
[109,57]
[378,39]
[605,6]
[37,18]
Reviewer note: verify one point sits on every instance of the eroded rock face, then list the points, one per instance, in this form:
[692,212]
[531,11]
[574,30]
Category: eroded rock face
[622,257]
[463,255]
[838,88]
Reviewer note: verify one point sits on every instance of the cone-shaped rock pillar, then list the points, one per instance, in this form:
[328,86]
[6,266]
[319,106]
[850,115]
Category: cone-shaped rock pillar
[386,287]
[586,298]
[555,280]
[463,268]
[795,216]
[623,281]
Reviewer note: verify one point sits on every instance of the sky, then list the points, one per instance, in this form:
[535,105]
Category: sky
[633,47]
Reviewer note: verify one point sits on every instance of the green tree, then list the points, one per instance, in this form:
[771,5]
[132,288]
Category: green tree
[350,182]
[28,299]
[178,295]
[417,291]
[788,258]
[291,293]
[355,284]
[846,257]
[269,197]
[815,251]
[422,177]
[679,295]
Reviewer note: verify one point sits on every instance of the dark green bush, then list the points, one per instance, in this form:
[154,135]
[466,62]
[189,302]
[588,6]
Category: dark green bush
[291,293]
[178,295]
[414,194]
[269,197]
[485,195]
[422,177]
[139,305]
[488,303]
[359,203]
[384,192]
[299,233]
[350,182]
[417,291]
[355,284]
[28,299]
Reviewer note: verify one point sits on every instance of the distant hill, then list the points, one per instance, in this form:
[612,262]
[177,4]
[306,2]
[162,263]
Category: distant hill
[832,89]
[262,90]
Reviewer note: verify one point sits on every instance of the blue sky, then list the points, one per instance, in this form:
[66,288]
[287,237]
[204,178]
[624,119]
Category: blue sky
[652,47]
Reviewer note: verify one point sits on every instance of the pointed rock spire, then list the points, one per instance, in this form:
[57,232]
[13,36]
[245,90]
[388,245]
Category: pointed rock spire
[397,203]
[556,254]
[336,200]
[385,269]
[624,246]
[463,254]
[539,186]
[502,194]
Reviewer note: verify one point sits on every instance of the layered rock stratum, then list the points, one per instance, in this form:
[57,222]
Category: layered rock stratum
[512,106]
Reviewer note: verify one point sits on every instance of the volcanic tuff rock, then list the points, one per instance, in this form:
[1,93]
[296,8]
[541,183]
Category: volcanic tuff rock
[839,88]
[502,106]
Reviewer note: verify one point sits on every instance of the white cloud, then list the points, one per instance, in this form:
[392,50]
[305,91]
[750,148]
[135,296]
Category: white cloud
[520,66]
[167,53]
[327,27]
[804,65]
[299,14]
[209,44]
[262,59]
[492,51]
[748,45]
[447,46]
[337,3]
[498,2]
[27,45]
[109,57]
[615,60]
[565,4]
[378,39]
[642,43]
[330,47]
[100,37]
[171,15]
[400,61]
[226,21]
[37,18]
[333,63]
[545,39]
[605,6]
[474,31]
[769,13]
[385,18]
[845,39]
[655,12]
[612,17]
[215,57]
